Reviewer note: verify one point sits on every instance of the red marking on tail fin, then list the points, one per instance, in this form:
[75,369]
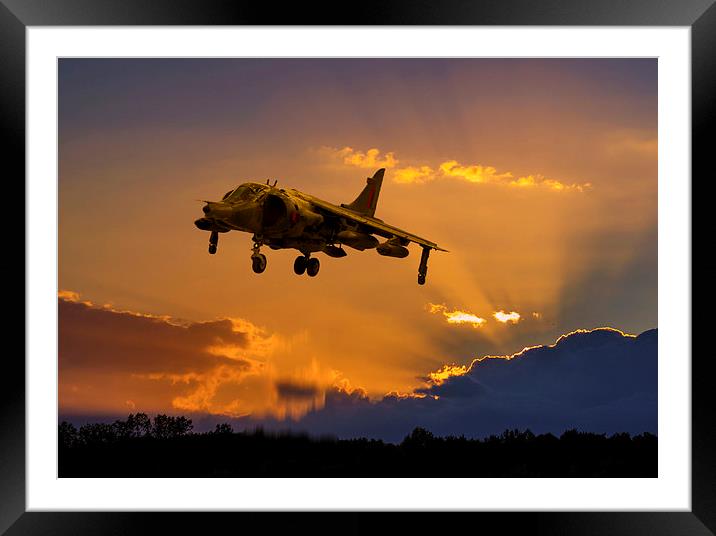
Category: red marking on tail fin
[370,197]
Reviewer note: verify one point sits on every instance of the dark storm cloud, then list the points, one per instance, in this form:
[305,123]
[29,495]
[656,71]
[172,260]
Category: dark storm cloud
[599,381]
[96,339]
[337,397]
[583,369]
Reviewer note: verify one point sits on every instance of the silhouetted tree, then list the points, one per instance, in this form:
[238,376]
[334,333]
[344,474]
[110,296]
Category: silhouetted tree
[122,429]
[644,438]
[67,435]
[223,428]
[140,424]
[622,437]
[91,434]
[182,426]
[161,426]
[515,435]
[167,427]
[419,437]
[127,448]
[570,435]
[527,435]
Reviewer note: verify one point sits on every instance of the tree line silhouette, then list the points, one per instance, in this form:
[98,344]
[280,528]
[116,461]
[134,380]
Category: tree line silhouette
[167,446]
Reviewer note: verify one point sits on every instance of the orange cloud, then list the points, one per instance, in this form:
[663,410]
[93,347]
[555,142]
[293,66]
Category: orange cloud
[227,366]
[370,159]
[474,173]
[68,295]
[344,386]
[397,395]
[420,174]
[502,316]
[447,371]
[489,175]
[412,174]
[457,316]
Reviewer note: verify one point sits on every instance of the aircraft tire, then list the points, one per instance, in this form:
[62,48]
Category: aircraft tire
[312,267]
[299,265]
[212,248]
[258,263]
[421,279]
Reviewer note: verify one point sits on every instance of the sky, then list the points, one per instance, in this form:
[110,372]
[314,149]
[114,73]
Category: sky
[538,175]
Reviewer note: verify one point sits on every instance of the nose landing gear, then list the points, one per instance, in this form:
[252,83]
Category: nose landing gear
[258,259]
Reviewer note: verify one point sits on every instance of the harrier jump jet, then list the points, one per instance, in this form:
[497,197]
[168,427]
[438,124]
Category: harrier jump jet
[286,218]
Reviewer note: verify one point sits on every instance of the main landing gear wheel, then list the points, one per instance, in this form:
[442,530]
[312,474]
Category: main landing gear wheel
[299,265]
[312,267]
[421,279]
[258,263]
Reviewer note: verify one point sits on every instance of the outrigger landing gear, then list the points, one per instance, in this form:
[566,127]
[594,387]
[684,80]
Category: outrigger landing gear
[258,259]
[306,264]
[213,242]
[423,268]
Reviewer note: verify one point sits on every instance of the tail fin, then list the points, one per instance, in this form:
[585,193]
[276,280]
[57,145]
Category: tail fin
[367,200]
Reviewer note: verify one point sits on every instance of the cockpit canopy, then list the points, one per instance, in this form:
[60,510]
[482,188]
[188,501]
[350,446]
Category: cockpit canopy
[245,192]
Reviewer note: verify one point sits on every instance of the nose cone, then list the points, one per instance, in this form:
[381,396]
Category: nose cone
[217,210]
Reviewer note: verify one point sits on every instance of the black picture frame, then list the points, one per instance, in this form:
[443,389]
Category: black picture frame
[17,15]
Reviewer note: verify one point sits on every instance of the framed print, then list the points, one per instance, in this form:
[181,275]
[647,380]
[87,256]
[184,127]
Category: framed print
[221,316]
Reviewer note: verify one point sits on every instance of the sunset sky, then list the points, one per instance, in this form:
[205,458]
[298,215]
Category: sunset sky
[539,176]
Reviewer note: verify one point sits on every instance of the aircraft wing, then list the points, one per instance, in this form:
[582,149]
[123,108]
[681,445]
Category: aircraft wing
[373,225]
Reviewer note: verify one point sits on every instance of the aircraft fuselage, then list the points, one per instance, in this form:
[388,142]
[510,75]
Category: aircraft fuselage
[289,219]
